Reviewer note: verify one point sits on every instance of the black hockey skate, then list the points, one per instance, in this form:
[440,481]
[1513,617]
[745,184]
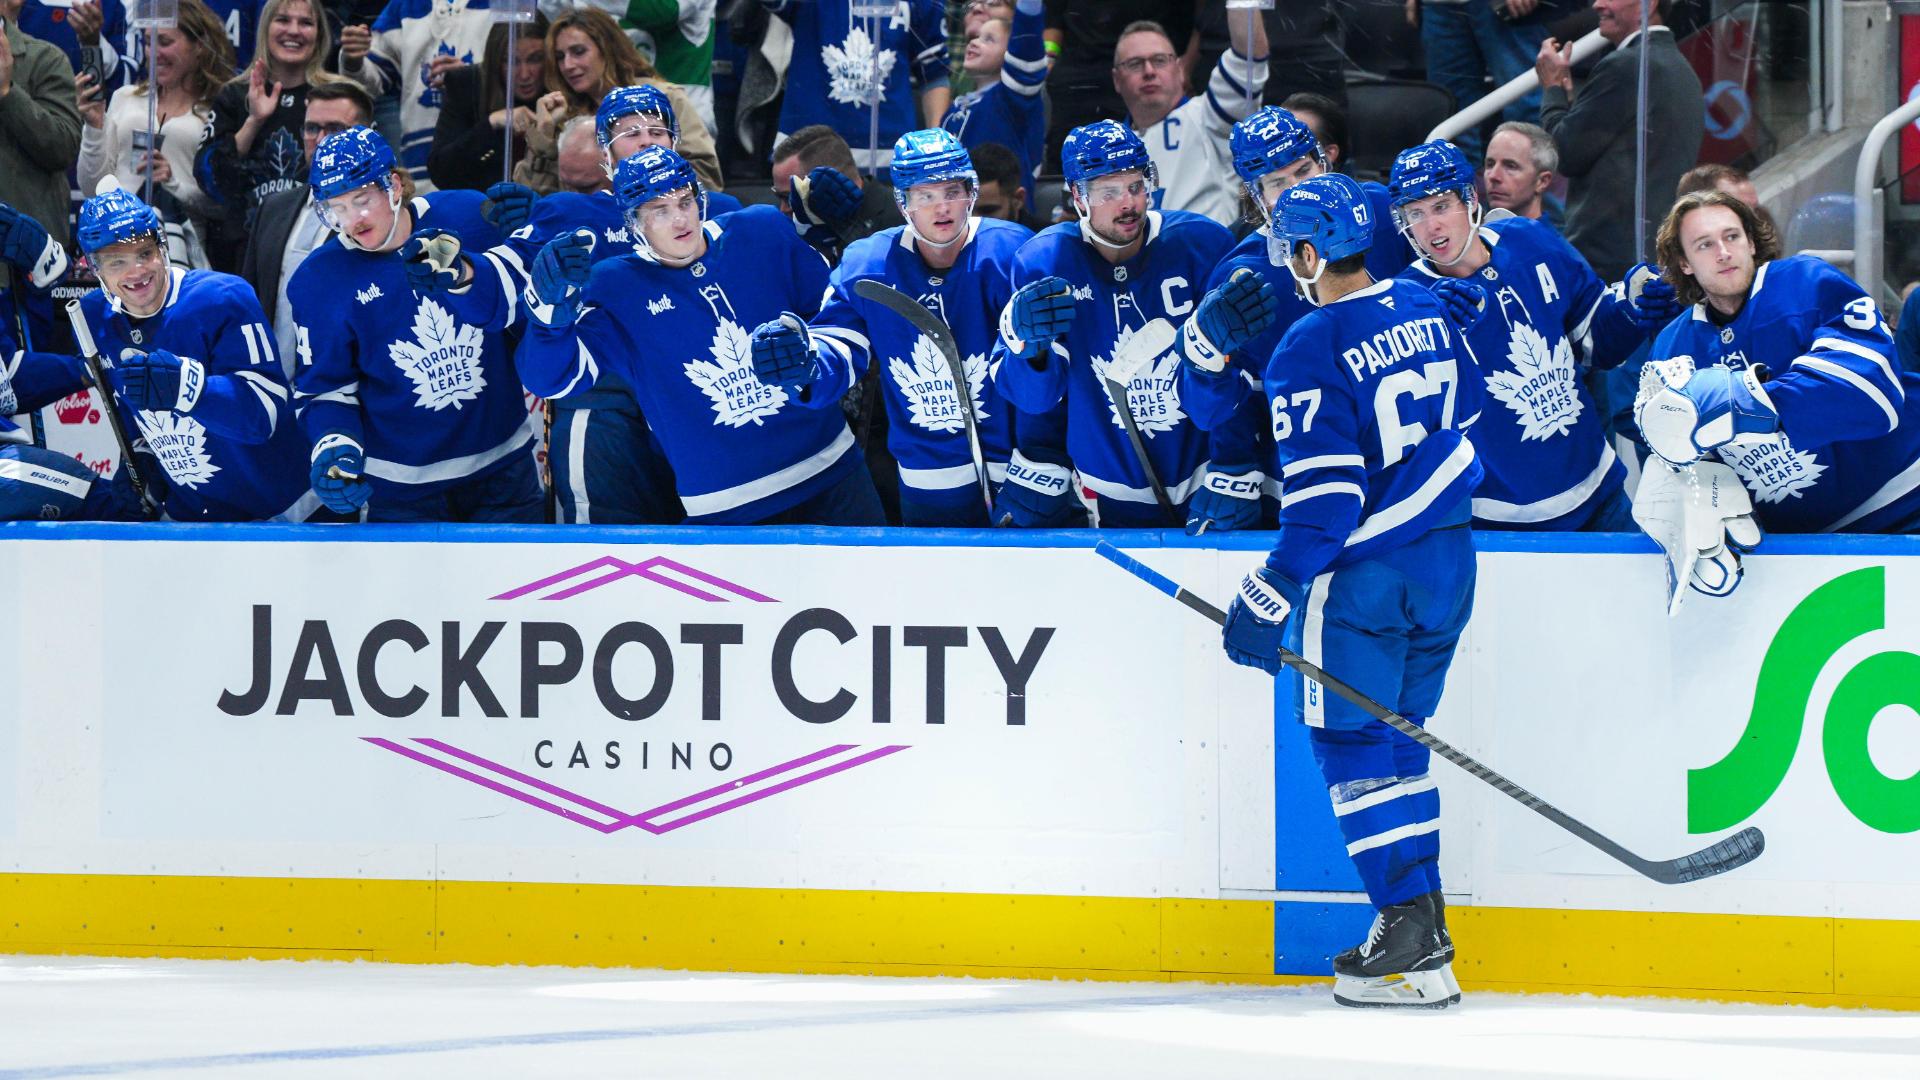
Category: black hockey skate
[1406,961]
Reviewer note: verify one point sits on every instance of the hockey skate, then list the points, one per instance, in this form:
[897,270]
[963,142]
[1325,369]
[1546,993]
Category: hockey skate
[1406,961]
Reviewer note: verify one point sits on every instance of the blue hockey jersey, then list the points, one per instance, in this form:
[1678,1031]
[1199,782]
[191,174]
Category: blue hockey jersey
[1847,456]
[1542,441]
[425,383]
[1011,112]
[831,78]
[1367,396]
[926,431]
[741,450]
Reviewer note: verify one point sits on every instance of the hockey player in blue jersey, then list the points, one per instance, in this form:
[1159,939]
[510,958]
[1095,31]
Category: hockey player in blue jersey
[405,382]
[673,321]
[1372,571]
[1542,441]
[958,266]
[192,368]
[1101,299]
[1010,110]
[844,60]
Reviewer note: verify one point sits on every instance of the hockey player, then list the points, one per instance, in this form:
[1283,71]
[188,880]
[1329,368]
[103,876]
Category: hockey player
[958,266]
[843,62]
[405,382]
[1010,110]
[193,375]
[1102,298]
[1548,461]
[673,319]
[1371,575]
[1783,371]
[33,263]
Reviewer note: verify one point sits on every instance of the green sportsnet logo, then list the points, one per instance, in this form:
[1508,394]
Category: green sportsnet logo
[1730,790]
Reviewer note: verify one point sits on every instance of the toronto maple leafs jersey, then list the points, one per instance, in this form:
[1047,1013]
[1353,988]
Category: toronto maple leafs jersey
[423,382]
[234,452]
[741,450]
[1153,292]
[407,37]
[1367,397]
[1012,111]
[837,56]
[1542,440]
[925,429]
[1847,457]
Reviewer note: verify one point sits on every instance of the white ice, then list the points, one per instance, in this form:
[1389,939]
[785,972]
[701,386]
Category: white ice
[73,1016]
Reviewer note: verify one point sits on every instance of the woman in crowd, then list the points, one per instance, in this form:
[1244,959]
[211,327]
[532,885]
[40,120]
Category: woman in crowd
[588,55]
[190,61]
[474,111]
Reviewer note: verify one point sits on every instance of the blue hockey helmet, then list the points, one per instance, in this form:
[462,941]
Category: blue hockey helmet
[930,156]
[1269,140]
[653,173]
[115,216]
[1330,212]
[349,161]
[625,101]
[1430,169]
[1104,147]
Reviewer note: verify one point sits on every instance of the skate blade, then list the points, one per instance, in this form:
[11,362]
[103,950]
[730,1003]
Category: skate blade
[1434,989]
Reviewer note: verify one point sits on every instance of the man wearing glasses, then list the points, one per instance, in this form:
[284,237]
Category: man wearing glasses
[1187,136]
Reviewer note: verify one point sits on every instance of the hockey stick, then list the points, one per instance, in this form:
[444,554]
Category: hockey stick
[1735,851]
[1146,345]
[90,355]
[942,337]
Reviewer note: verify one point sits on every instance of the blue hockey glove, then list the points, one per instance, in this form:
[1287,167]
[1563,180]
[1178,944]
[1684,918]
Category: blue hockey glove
[1684,414]
[1257,620]
[1464,301]
[1228,500]
[560,272]
[508,206]
[825,196]
[336,473]
[25,244]
[1241,309]
[160,381]
[1041,311]
[433,262]
[1035,495]
[783,354]
[1651,302]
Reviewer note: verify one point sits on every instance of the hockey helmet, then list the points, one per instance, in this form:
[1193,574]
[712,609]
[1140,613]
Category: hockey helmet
[1102,148]
[349,161]
[930,156]
[1269,140]
[115,216]
[1329,211]
[625,101]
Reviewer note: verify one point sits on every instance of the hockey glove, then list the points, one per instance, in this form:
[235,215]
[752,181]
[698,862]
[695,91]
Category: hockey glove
[1684,414]
[560,272]
[508,206]
[824,197]
[338,463]
[1257,620]
[1464,302]
[1229,500]
[9,402]
[1241,309]
[25,244]
[1038,313]
[783,353]
[1702,517]
[160,381]
[1035,495]
[1651,302]
[433,261]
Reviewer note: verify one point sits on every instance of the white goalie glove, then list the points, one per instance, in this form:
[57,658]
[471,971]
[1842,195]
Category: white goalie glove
[1702,517]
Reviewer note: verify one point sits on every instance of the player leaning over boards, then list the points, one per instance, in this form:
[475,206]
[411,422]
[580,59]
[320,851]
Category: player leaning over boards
[405,380]
[1784,374]
[1371,574]
[673,320]
[1544,444]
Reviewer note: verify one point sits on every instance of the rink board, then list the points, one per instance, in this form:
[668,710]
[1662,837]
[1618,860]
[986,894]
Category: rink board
[808,750]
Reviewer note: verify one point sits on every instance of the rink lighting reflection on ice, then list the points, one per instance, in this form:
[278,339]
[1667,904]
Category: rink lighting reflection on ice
[732,990]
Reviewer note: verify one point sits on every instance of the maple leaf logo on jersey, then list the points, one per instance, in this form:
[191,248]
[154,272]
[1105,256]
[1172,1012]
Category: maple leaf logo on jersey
[1771,468]
[857,78]
[1154,392]
[1541,388]
[927,384]
[739,397]
[180,444]
[443,360]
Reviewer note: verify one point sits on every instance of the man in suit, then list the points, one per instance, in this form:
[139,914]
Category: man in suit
[1594,128]
[288,227]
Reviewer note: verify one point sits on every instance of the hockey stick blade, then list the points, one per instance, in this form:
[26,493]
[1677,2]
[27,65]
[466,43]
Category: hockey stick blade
[942,337]
[1149,343]
[1732,853]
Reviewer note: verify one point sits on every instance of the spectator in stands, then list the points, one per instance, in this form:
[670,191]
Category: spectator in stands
[1327,119]
[474,113]
[833,212]
[587,56]
[408,50]
[830,78]
[191,61]
[1716,177]
[254,148]
[1187,136]
[288,224]
[578,161]
[963,21]
[1469,41]
[1081,37]
[39,124]
[1522,163]
[678,36]
[91,33]
[1594,129]
[1008,62]
[1002,191]
[1303,41]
